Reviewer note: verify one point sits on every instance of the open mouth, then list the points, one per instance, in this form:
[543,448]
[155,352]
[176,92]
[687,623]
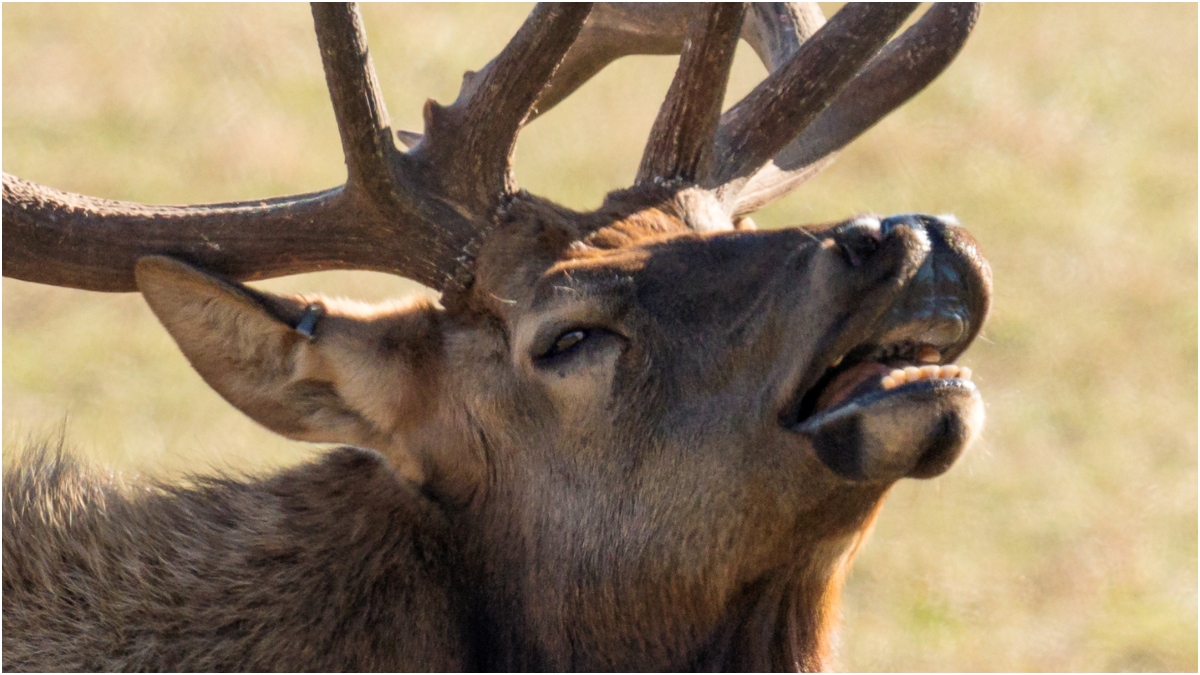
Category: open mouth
[908,347]
[881,398]
[871,372]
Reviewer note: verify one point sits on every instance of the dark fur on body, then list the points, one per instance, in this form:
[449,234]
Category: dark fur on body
[332,566]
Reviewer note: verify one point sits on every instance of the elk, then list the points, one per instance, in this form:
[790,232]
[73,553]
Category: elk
[647,437]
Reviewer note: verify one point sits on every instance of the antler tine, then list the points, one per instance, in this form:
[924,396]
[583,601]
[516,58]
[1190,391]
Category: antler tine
[475,135]
[900,70]
[614,30]
[777,29]
[680,143]
[388,193]
[771,115]
[358,105]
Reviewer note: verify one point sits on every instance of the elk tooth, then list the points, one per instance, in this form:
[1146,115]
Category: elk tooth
[893,379]
[929,355]
[838,361]
[900,376]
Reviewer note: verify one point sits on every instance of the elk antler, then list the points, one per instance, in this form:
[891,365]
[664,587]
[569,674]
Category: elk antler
[475,136]
[414,214]
[422,213]
[900,70]
[780,107]
[809,127]
[616,29]
[680,145]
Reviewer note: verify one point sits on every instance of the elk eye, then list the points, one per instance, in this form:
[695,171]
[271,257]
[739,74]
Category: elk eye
[560,348]
[566,342]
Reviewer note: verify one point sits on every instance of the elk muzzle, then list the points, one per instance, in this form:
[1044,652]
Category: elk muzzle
[893,405]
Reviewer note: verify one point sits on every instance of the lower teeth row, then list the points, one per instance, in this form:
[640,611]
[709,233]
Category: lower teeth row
[901,376]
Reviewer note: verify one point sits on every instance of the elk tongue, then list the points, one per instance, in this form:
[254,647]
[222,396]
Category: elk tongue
[864,377]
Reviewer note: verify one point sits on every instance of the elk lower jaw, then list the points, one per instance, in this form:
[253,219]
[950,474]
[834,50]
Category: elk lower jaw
[887,419]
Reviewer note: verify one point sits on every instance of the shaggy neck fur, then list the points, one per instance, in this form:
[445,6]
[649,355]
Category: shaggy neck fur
[336,565]
[785,621]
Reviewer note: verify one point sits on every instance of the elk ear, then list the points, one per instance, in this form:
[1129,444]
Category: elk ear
[360,374]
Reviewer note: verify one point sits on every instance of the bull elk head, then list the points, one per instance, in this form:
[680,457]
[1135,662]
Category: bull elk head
[659,434]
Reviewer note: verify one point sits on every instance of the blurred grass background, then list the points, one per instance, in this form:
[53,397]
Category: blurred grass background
[1064,137]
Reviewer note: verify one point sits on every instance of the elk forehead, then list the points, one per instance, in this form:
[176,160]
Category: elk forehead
[538,255]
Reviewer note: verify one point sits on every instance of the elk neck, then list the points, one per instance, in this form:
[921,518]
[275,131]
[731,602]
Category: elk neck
[784,620]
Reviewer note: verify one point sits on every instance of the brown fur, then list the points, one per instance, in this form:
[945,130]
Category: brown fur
[636,505]
[333,566]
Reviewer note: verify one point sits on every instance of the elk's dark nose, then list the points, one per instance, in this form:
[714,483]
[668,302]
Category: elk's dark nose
[946,301]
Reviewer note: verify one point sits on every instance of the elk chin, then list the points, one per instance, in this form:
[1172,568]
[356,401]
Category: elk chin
[915,430]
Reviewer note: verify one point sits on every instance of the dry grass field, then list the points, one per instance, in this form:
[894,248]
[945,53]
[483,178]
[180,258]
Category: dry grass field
[1064,137]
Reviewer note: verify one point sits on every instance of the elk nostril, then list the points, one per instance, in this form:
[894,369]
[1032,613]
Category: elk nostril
[857,249]
[859,239]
